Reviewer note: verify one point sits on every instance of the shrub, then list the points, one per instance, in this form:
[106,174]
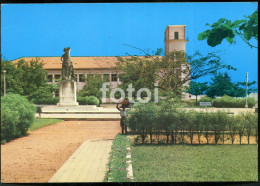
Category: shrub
[230,102]
[17,115]
[205,99]
[141,118]
[92,100]
[44,95]
[190,103]
[82,100]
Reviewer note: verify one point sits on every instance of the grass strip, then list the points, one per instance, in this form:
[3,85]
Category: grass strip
[117,163]
[181,163]
[42,122]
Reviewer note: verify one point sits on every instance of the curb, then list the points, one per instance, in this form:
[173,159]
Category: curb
[129,169]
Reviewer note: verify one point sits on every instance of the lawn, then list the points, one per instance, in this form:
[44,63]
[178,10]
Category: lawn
[174,163]
[42,122]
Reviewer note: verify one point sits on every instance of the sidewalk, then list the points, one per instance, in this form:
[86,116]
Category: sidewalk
[87,163]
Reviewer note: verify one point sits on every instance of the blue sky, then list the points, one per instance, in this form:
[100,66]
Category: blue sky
[103,29]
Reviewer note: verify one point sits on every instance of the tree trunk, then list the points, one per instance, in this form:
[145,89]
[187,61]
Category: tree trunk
[223,137]
[182,139]
[175,137]
[248,138]
[207,137]
[232,138]
[167,138]
[151,137]
[199,135]
[172,136]
[240,136]
[143,137]
[215,137]
[196,100]
[191,137]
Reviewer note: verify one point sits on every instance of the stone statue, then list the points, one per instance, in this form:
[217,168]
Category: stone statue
[67,66]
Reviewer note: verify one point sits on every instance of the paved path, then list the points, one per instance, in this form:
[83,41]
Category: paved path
[87,164]
[36,158]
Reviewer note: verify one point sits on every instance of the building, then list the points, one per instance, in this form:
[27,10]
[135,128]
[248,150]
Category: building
[106,66]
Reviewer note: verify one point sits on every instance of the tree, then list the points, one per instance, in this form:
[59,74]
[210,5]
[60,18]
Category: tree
[92,86]
[166,70]
[197,88]
[246,29]
[249,84]
[24,78]
[222,85]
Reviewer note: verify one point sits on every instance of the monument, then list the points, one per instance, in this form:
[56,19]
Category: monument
[68,86]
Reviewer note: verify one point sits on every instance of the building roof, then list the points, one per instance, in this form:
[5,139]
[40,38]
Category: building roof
[78,62]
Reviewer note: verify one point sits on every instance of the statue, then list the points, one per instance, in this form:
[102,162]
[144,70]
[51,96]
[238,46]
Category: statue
[67,66]
[68,85]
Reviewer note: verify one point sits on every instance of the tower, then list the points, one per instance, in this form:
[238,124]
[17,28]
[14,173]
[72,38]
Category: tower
[174,38]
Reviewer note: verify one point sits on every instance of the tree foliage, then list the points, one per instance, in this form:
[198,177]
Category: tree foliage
[222,85]
[246,28]
[26,78]
[197,88]
[171,71]
[92,86]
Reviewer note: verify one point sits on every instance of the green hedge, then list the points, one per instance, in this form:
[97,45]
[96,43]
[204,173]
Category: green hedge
[175,123]
[230,102]
[205,99]
[47,101]
[91,100]
[17,115]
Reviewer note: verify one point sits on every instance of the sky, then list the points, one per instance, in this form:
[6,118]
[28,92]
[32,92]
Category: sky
[105,29]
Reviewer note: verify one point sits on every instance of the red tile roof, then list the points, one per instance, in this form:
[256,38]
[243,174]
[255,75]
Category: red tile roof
[78,62]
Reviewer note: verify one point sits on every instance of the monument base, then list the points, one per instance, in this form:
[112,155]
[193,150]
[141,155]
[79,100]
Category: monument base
[68,94]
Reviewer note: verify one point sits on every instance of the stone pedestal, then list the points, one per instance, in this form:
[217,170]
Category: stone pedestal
[67,93]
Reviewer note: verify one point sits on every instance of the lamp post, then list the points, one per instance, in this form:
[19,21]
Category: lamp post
[4,71]
[246,106]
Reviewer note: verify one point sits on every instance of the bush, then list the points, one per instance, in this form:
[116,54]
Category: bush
[230,102]
[91,100]
[82,100]
[142,117]
[205,99]
[17,115]
[44,96]
[190,103]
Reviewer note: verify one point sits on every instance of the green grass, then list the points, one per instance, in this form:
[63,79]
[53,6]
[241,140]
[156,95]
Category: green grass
[42,122]
[174,163]
[117,163]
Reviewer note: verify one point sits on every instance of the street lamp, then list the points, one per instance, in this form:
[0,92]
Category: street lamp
[246,106]
[4,71]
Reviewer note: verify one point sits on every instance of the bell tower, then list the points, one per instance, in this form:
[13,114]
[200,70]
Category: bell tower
[174,38]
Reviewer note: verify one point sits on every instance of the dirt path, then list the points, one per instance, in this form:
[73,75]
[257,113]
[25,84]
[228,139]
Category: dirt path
[37,157]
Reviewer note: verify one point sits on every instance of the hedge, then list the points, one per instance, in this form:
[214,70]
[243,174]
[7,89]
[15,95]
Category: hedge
[17,115]
[175,123]
[205,99]
[91,100]
[230,102]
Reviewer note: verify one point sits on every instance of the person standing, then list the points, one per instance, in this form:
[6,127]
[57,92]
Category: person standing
[123,117]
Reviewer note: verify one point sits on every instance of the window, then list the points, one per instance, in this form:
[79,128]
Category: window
[114,77]
[56,93]
[49,78]
[57,77]
[176,35]
[106,77]
[81,78]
